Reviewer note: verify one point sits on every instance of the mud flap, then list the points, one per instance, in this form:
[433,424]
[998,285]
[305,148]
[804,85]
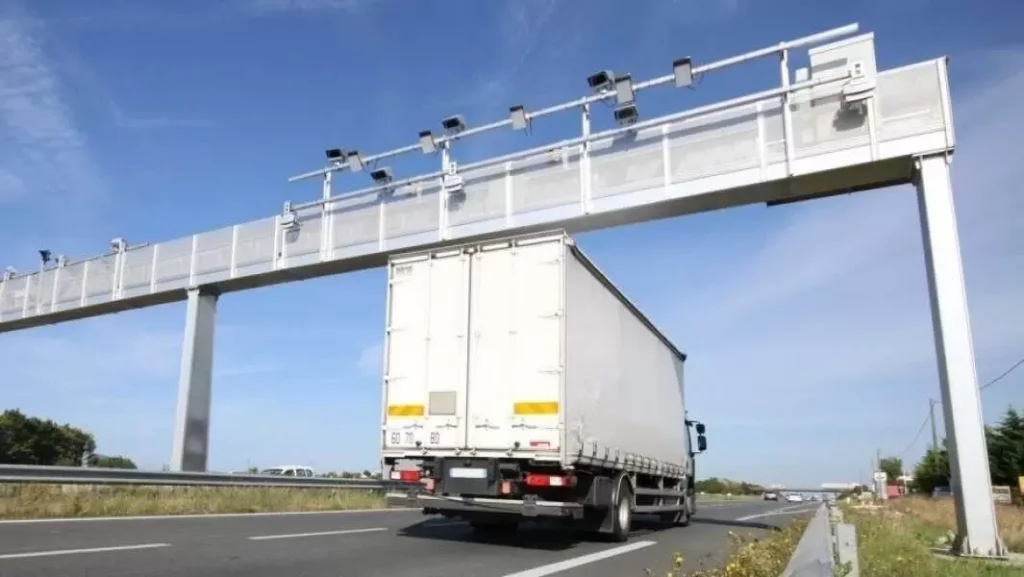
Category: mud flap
[530,506]
[608,519]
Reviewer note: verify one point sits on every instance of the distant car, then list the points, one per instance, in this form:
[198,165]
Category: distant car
[771,496]
[290,471]
[794,498]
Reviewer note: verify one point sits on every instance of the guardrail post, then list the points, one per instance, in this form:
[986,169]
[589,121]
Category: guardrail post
[192,423]
[977,532]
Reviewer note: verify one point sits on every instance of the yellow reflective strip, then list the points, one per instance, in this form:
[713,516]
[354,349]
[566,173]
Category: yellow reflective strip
[405,410]
[536,408]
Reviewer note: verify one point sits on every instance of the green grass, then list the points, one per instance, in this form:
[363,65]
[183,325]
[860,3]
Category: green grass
[54,501]
[751,555]
[897,540]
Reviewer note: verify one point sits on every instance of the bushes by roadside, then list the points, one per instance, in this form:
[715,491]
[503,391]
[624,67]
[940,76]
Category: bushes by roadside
[51,501]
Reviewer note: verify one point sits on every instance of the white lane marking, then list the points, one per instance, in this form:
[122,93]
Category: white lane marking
[204,516]
[582,560]
[317,534]
[793,510]
[81,551]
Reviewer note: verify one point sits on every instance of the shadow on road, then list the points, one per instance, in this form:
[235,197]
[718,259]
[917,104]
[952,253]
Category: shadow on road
[736,523]
[529,535]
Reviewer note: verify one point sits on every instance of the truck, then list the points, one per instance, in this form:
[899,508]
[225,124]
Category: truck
[521,385]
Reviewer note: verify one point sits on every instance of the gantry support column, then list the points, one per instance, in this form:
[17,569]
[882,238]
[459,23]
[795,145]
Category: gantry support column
[977,533]
[192,423]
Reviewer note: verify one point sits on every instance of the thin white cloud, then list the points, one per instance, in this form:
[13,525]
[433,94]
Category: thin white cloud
[370,359]
[278,6]
[12,186]
[105,353]
[41,147]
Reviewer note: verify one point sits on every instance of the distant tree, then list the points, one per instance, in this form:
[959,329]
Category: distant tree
[112,462]
[717,486]
[1005,443]
[1006,448]
[32,441]
[366,474]
[932,471]
[892,467]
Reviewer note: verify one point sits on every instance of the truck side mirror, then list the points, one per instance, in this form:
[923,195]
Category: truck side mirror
[700,428]
[702,443]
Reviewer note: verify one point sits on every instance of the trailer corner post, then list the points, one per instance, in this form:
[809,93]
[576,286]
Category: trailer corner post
[192,422]
[977,532]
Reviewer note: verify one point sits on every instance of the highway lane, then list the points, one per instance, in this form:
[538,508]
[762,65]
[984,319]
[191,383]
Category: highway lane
[394,543]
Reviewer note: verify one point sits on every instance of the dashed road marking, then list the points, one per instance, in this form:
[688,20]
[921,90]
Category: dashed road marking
[82,551]
[792,510]
[317,534]
[581,560]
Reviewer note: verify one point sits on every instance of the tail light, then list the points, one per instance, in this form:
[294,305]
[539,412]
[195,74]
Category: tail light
[540,480]
[406,476]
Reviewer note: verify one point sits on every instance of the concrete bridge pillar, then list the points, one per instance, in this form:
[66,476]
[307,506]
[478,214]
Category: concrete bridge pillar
[192,422]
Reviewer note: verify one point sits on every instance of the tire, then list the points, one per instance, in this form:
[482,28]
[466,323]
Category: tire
[622,512]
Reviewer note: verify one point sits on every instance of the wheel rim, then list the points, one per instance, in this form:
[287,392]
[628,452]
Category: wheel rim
[624,513]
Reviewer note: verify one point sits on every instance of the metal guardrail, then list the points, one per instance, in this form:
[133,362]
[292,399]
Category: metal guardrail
[827,548]
[103,476]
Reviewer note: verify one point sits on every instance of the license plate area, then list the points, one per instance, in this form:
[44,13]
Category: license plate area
[467,473]
[477,477]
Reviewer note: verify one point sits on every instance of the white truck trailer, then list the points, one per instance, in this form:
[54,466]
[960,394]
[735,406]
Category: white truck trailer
[519,383]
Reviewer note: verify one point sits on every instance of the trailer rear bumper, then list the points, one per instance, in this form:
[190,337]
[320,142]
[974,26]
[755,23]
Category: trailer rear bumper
[484,505]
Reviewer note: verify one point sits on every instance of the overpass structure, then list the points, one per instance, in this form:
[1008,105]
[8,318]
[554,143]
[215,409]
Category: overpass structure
[840,126]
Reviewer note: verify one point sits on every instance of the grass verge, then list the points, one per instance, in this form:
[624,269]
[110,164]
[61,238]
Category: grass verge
[751,555]
[54,501]
[896,540]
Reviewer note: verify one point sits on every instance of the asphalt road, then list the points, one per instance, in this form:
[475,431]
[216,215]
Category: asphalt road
[397,543]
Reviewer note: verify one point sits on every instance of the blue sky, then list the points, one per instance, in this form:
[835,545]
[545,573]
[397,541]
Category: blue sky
[807,325]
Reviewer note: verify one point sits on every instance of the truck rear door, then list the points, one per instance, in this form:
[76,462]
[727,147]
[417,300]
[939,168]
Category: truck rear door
[515,347]
[425,367]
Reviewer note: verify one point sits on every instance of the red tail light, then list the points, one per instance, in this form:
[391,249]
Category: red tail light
[539,480]
[406,476]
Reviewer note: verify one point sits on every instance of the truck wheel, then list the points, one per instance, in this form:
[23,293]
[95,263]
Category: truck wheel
[622,513]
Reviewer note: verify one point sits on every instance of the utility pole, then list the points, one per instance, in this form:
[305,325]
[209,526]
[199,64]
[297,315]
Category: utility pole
[935,435]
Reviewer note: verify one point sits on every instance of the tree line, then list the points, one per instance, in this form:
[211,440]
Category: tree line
[28,440]
[717,486]
[1005,441]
